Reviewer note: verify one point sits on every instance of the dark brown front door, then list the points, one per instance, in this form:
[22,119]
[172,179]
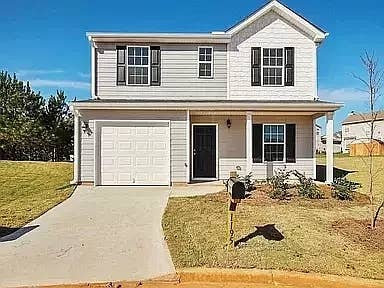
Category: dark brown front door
[204,151]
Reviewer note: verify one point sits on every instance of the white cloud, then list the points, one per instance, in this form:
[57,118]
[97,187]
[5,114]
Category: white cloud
[60,83]
[84,75]
[22,73]
[342,95]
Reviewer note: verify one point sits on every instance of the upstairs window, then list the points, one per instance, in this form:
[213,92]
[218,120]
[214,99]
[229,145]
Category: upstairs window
[273,66]
[138,65]
[205,62]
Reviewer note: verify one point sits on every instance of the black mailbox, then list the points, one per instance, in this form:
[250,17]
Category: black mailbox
[236,189]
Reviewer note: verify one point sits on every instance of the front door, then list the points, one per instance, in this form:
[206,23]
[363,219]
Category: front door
[204,151]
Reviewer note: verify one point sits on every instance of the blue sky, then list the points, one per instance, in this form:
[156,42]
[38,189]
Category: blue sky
[44,41]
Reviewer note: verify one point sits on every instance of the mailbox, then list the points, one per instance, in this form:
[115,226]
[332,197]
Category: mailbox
[236,189]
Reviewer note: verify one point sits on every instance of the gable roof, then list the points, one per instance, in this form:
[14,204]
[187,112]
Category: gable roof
[285,12]
[362,117]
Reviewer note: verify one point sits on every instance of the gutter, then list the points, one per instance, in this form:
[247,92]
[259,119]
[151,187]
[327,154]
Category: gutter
[214,37]
[209,106]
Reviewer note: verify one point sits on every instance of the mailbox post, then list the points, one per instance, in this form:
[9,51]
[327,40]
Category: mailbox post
[236,191]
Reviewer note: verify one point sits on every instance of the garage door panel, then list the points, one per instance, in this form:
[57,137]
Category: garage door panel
[142,161]
[126,145]
[135,155]
[160,146]
[125,177]
[125,162]
[142,145]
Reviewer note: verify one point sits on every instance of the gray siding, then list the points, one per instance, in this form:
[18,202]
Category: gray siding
[178,138]
[86,154]
[179,74]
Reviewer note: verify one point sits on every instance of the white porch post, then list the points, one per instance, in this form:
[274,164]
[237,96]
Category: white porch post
[329,151]
[76,149]
[188,163]
[249,141]
[314,146]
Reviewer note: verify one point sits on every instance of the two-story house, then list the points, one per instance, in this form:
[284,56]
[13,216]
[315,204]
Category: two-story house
[171,108]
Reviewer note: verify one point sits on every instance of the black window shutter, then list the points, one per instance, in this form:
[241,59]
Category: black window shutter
[155,65]
[121,67]
[289,66]
[290,145]
[257,143]
[256,66]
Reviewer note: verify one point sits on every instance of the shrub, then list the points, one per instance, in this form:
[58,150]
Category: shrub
[248,182]
[343,189]
[279,185]
[307,187]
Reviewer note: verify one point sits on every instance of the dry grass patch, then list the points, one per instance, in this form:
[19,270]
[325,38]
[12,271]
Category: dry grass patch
[324,236]
[195,230]
[28,189]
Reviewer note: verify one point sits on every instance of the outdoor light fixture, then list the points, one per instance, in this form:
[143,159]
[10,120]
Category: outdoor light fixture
[229,123]
[85,128]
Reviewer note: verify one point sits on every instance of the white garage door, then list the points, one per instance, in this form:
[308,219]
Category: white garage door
[135,154]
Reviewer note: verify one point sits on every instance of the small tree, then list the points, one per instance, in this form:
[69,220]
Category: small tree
[372,83]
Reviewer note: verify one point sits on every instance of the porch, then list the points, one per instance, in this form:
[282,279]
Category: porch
[230,142]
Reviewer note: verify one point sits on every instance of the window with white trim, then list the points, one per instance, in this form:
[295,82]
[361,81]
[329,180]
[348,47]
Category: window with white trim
[273,66]
[274,142]
[205,62]
[138,65]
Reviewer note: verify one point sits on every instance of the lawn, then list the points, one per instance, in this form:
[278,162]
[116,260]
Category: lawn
[28,189]
[359,164]
[325,236]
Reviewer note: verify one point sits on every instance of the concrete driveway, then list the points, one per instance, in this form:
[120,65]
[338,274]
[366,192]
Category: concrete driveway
[98,235]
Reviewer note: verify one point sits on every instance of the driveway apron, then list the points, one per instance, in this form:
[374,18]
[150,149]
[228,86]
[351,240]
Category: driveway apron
[99,234]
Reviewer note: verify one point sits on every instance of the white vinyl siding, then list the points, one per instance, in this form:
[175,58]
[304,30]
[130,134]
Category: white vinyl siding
[272,31]
[179,74]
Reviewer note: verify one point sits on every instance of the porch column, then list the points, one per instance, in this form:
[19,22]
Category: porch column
[76,149]
[188,132]
[314,146]
[329,150]
[248,138]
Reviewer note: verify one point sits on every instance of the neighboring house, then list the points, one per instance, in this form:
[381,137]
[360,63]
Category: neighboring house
[171,108]
[319,145]
[336,143]
[356,128]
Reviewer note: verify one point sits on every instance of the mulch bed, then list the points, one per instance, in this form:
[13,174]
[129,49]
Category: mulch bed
[359,232]
[260,197]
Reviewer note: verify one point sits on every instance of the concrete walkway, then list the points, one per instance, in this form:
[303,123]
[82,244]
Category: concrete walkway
[197,189]
[98,235]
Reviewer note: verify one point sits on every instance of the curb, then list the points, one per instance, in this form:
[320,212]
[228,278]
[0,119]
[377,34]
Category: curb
[274,277]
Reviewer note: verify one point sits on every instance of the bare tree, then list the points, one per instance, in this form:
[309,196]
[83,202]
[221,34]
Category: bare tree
[372,84]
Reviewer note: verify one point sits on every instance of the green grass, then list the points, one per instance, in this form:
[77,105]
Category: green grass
[196,232]
[28,189]
[359,164]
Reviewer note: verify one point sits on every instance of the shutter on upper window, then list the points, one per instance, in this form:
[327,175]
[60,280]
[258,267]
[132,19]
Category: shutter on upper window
[289,66]
[257,143]
[155,65]
[121,61]
[256,66]
[290,140]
